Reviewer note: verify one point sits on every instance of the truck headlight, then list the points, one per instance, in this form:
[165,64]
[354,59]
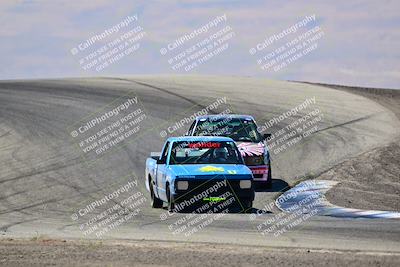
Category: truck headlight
[182,185]
[245,184]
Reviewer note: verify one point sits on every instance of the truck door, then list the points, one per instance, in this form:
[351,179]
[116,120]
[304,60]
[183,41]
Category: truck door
[161,173]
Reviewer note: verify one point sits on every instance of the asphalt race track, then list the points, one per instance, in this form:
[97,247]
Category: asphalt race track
[44,179]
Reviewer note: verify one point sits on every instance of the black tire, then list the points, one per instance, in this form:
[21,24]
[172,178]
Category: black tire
[171,204]
[248,206]
[155,202]
[268,183]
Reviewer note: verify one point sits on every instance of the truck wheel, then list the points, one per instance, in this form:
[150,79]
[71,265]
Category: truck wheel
[268,183]
[248,206]
[155,202]
[171,205]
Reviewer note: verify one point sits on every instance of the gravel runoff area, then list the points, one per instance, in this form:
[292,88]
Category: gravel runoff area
[370,180]
[42,252]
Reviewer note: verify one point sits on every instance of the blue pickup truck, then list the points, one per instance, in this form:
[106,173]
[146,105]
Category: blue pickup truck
[192,170]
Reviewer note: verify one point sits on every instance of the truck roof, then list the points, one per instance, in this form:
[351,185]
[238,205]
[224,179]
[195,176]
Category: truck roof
[235,116]
[199,138]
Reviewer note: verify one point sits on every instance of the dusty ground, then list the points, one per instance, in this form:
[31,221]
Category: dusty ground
[145,253]
[369,181]
[372,179]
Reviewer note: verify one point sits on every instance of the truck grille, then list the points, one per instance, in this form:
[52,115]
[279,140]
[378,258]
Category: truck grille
[254,160]
[197,197]
[198,186]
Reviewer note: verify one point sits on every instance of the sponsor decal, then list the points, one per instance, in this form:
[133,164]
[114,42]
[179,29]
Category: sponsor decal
[214,199]
[211,169]
[205,145]
[251,149]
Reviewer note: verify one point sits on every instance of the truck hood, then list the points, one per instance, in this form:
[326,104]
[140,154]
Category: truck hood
[209,169]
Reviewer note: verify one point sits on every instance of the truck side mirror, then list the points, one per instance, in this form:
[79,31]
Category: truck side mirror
[267,136]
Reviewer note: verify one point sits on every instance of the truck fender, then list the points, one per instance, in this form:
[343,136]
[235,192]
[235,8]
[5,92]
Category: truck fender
[147,180]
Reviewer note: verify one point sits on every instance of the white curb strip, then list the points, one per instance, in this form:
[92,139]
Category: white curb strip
[310,195]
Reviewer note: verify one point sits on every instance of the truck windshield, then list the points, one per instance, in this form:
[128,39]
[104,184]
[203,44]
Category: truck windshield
[207,152]
[238,129]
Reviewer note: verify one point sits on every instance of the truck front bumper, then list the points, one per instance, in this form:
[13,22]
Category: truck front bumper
[260,172]
[203,191]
